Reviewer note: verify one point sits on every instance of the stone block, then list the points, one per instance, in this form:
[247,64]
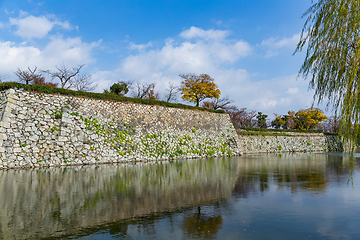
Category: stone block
[62,139]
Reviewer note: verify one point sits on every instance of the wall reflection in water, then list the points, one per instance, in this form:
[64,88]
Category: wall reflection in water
[55,202]
[296,172]
[60,202]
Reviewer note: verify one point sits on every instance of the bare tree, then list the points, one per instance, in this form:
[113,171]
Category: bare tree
[28,76]
[172,91]
[221,103]
[241,117]
[331,124]
[3,77]
[66,75]
[140,90]
[153,95]
[144,90]
[83,83]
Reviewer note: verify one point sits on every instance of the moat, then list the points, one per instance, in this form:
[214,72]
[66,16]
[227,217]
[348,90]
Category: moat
[263,196]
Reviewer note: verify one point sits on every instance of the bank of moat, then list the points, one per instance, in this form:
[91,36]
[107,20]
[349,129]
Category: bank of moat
[290,142]
[39,129]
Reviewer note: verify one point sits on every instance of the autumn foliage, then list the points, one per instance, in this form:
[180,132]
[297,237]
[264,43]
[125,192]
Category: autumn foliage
[195,88]
[307,119]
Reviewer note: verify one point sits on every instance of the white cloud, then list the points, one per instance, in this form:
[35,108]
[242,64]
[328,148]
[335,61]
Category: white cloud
[183,57]
[273,44]
[36,27]
[14,56]
[294,90]
[174,59]
[216,58]
[7,12]
[71,51]
[140,47]
[22,14]
[195,32]
[268,95]
[285,42]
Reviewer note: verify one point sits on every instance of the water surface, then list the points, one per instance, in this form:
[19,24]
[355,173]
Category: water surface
[267,196]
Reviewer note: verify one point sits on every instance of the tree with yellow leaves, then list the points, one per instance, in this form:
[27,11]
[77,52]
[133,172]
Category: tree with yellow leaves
[309,118]
[278,122]
[285,121]
[195,88]
[303,120]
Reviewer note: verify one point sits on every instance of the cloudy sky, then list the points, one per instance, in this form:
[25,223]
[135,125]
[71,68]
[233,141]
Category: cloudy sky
[246,46]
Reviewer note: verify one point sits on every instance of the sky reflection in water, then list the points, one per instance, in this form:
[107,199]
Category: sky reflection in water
[268,196]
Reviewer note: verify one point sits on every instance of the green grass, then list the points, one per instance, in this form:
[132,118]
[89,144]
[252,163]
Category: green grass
[280,130]
[263,134]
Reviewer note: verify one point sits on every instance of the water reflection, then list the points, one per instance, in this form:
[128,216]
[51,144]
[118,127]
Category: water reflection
[192,195]
[199,225]
[295,172]
[53,202]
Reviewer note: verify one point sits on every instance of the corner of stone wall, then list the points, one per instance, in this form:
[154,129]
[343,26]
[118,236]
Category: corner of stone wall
[8,104]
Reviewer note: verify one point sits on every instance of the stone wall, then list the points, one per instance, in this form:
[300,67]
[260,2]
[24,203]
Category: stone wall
[297,142]
[55,130]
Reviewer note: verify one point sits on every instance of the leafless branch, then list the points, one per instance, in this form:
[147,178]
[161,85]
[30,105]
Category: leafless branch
[28,76]
[3,77]
[221,103]
[65,74]
[83,83]
[241,117]
[144,90]
[172,92]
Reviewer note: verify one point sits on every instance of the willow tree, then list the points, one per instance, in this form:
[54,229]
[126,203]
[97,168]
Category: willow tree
[331,35]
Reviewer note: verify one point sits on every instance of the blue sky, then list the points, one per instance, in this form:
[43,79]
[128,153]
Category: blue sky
[246,46]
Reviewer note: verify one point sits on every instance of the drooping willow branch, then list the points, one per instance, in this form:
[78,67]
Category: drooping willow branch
[331,36]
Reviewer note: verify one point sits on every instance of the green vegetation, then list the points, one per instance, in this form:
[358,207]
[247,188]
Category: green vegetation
[330,134]
[307,119]
[156,145]
[101,96]
[119,89]
[263,134]
[261,120]
[280,130]
[246,131]
[54,128]
[331,36]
